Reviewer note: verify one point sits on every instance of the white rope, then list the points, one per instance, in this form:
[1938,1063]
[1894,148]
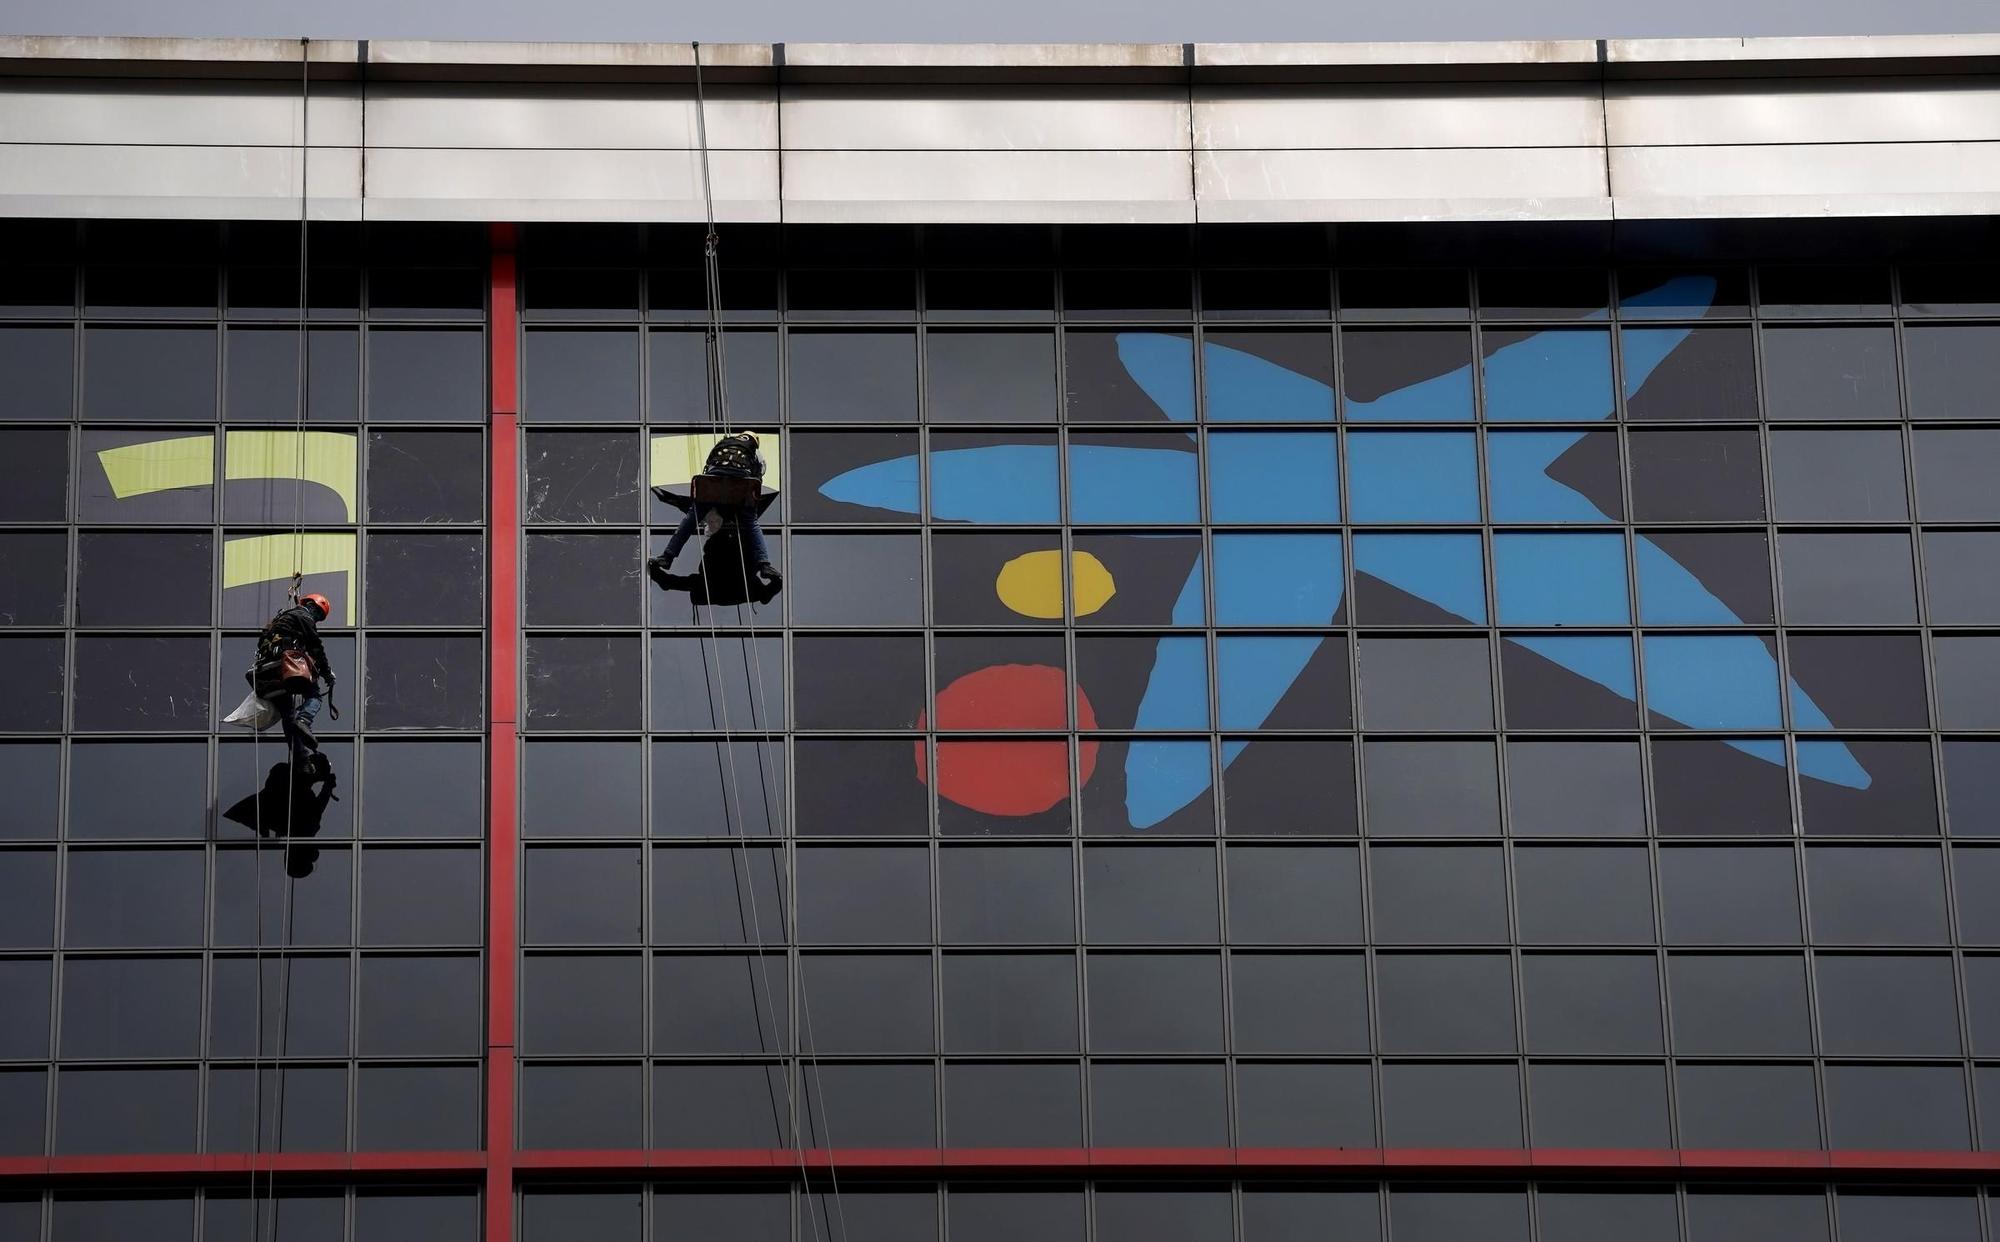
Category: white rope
[718,395]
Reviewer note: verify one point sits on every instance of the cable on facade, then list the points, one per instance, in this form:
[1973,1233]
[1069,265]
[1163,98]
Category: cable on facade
[718,404]
[291,766]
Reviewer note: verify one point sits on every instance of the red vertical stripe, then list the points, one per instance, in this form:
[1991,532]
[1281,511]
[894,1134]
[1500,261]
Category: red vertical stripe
[503,639]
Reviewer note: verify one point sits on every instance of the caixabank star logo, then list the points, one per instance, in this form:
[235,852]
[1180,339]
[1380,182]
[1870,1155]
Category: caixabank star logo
[1714,683]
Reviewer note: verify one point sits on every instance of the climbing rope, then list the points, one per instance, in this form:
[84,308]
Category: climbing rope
[287,906]
[719,415]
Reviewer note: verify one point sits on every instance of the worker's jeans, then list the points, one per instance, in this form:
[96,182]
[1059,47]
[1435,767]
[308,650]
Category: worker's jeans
[296,711]
[747,527]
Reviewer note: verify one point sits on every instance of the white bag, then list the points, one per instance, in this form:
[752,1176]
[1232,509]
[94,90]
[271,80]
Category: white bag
[253,713]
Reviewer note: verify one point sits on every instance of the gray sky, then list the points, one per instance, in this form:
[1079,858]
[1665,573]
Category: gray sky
[876,21]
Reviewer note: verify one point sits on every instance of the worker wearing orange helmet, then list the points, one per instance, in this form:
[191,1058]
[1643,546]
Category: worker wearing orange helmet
[290,664]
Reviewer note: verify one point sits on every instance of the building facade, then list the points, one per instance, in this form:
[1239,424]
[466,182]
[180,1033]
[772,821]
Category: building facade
[1379,643]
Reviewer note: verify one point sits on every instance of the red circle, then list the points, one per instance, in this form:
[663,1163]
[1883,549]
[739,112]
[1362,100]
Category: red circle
[1008,777]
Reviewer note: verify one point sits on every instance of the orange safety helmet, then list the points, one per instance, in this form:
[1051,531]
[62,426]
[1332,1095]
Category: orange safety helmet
[325,608]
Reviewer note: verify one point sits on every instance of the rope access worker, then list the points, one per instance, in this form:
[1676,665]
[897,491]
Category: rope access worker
[290,664]
[734,456]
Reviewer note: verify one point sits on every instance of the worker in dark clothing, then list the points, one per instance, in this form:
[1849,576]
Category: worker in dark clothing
[290,664]
[734,456]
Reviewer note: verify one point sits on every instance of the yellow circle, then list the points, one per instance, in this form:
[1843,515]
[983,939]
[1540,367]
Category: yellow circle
[1031,584]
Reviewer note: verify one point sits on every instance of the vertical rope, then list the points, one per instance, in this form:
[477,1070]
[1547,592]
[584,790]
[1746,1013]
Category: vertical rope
[718,396]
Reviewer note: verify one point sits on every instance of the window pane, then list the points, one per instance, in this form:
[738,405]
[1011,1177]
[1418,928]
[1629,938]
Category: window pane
[39,362]
[1248,566]
[1583,895]
[1747,1106]
[581,1107]
[1900,799]
[23,1112]
[702,684]
[426,476]
[419,1006]
[1407,375]
[1011,1002]
[581,896]
[126,1111]
[150,683]
[75,1218]
[582,477]
[1739,1003]
[718,789]
[864,682]
[1425,683]
[1003,895]
[1569,682]
[1711,681]
[420,375]
[1960,572]
[1819,476]
[311,993]
[721,1003]
[1701,476]
[1453,894]
[1673,293]
[1575,789]
[1729,895]
[34,474]
[34,572]
[1290,787]
[1592,1005]
[1412,476]
[1265,376]
[740,1105]
[420,896]
[582,579]
[1167,1002]
[1554,476]
[261,383]
[750,1215]
[1293,895]
[1701,373]
[1001,377]
[1737,1216]
[1403,293]
[718,895]
[1857,681]
[32,672]
[423,789]
[424,682]
[573,1004]
[1598,1105]
[1299,1002]
[131,1008]
[856,580]
[1890,1216]
[1457,1105]
[1966,672]
[1952,370]
[853,476]
[1132,477]
[876,1105]
[609,1215]
[582,789]
[128,898]
[1704,578]
[1458,1215]
[1481,1019]
[1847,579]
[872,1003]
[864,895]
[416,1216]
[582,376]
[321,910]
[1887,1006]
[852,376]
[1305,1105]
[1419,579]
[1431,788]
[1545,376]
[1139,895]
[24,1008]
[315,1116]
[678,381]
[1897,1107]
[1827,373]
[425,579]
[583,682]
[146,374]
[173,774]
[954,296]
[1135,1105]
[1009,1213]
[1876,896]
[1720,787]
